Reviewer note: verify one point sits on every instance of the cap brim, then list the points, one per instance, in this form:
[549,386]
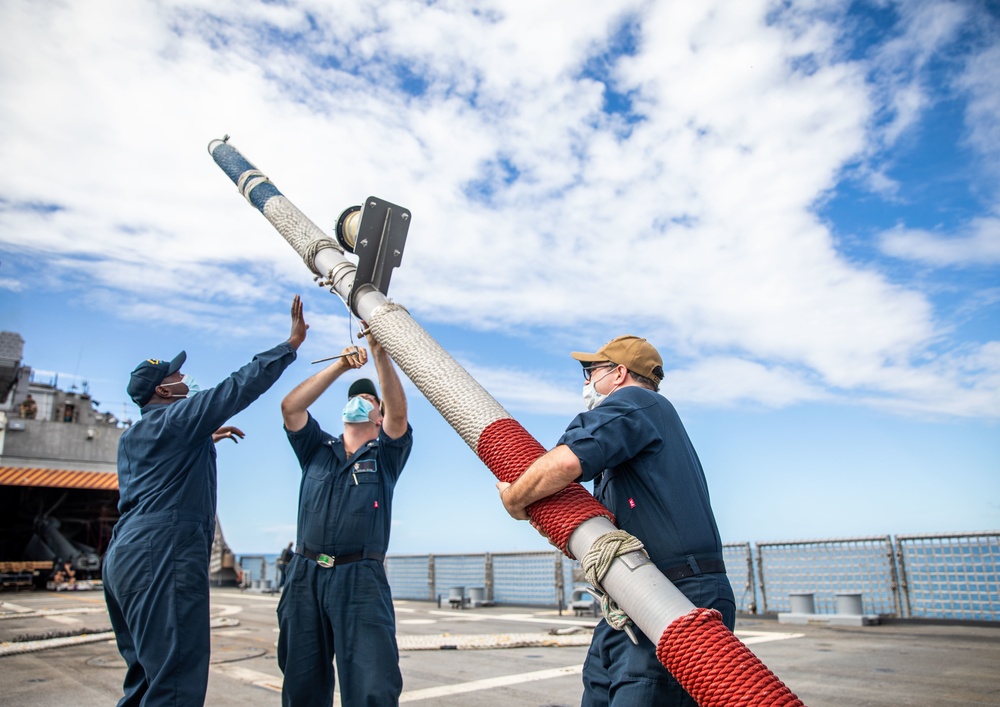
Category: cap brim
[589,357]
[176,364]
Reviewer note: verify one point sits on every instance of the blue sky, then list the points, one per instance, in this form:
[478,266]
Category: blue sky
[797,202]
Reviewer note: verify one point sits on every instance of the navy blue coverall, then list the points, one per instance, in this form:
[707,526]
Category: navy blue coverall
[645,471]
[156,568]
[344,611]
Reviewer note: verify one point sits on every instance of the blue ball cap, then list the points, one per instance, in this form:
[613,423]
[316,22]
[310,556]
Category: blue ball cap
[149,374]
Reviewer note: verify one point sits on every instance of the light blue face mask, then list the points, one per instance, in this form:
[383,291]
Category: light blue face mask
[357,410]
[187,380]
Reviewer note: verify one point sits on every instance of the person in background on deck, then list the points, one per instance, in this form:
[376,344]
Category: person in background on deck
[29,408]
[632,445]
[336,600]
[156,567]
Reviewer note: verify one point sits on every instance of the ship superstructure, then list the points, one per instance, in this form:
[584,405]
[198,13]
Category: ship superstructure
[58,476]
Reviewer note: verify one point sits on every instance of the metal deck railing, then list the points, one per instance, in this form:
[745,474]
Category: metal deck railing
[942,576]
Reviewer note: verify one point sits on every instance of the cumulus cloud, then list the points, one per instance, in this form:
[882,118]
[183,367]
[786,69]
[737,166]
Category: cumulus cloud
[661,163]
[976,245]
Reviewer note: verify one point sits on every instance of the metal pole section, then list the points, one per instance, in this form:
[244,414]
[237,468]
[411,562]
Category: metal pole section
[464,403]
[650,599]
[633,581]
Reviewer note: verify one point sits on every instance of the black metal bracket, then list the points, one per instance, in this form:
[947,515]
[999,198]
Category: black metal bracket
[379,244]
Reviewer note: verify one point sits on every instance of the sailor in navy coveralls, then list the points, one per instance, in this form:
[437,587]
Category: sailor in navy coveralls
[156,569]
[632,444]
[336,602]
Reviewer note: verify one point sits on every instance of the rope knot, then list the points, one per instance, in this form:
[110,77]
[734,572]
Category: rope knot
[596,564]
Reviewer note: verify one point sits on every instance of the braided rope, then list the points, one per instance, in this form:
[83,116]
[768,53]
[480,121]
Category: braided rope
[715,667]
[248,184]
[249,180]
[596,564]
[293,225]
[457,396]
[35,646]
[501,442]
[508,449]
[314,247]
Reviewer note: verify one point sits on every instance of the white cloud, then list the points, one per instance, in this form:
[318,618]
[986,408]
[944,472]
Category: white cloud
[982,85]
[521,391]
[725,381]
[900,63]
[977,245]
[690,219]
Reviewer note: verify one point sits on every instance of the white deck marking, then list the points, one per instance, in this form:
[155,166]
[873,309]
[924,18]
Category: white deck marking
[273,682]
[226,609]
[25,613]
[234,596]
[751,637]
[429,693]
[465,615]
[63,619]
[253,677]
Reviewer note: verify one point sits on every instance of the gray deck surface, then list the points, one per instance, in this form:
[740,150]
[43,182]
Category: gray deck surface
[496,656]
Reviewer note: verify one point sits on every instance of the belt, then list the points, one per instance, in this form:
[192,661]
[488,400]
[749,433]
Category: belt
[704,567]
[324,560]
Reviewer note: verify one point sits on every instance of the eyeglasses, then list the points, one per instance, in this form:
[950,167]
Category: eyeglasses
[588,371]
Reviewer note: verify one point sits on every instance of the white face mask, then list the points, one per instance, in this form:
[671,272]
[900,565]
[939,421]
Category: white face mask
[187,380]
[591,398]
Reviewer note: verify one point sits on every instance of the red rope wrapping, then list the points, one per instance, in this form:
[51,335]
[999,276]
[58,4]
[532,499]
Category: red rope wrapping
[508,449]
[715,667]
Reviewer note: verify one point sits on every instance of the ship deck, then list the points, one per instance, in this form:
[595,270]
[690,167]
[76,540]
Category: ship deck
[490,656]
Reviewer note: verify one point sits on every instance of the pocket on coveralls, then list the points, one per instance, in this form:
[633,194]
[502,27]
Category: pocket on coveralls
[190,558]
[364,493]
[132,567]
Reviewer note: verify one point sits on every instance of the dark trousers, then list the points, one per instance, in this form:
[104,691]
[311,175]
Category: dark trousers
[156,588]
[618,673]
[344,613]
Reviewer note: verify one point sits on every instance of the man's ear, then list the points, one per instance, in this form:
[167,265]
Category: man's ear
[162,391]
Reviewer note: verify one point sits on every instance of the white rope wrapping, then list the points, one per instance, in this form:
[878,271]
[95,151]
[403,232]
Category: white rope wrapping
[249,180]
[314,247]
[295,228]
[457,396]
[596,564]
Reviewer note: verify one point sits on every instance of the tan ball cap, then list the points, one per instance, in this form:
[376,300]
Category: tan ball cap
[636,354]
